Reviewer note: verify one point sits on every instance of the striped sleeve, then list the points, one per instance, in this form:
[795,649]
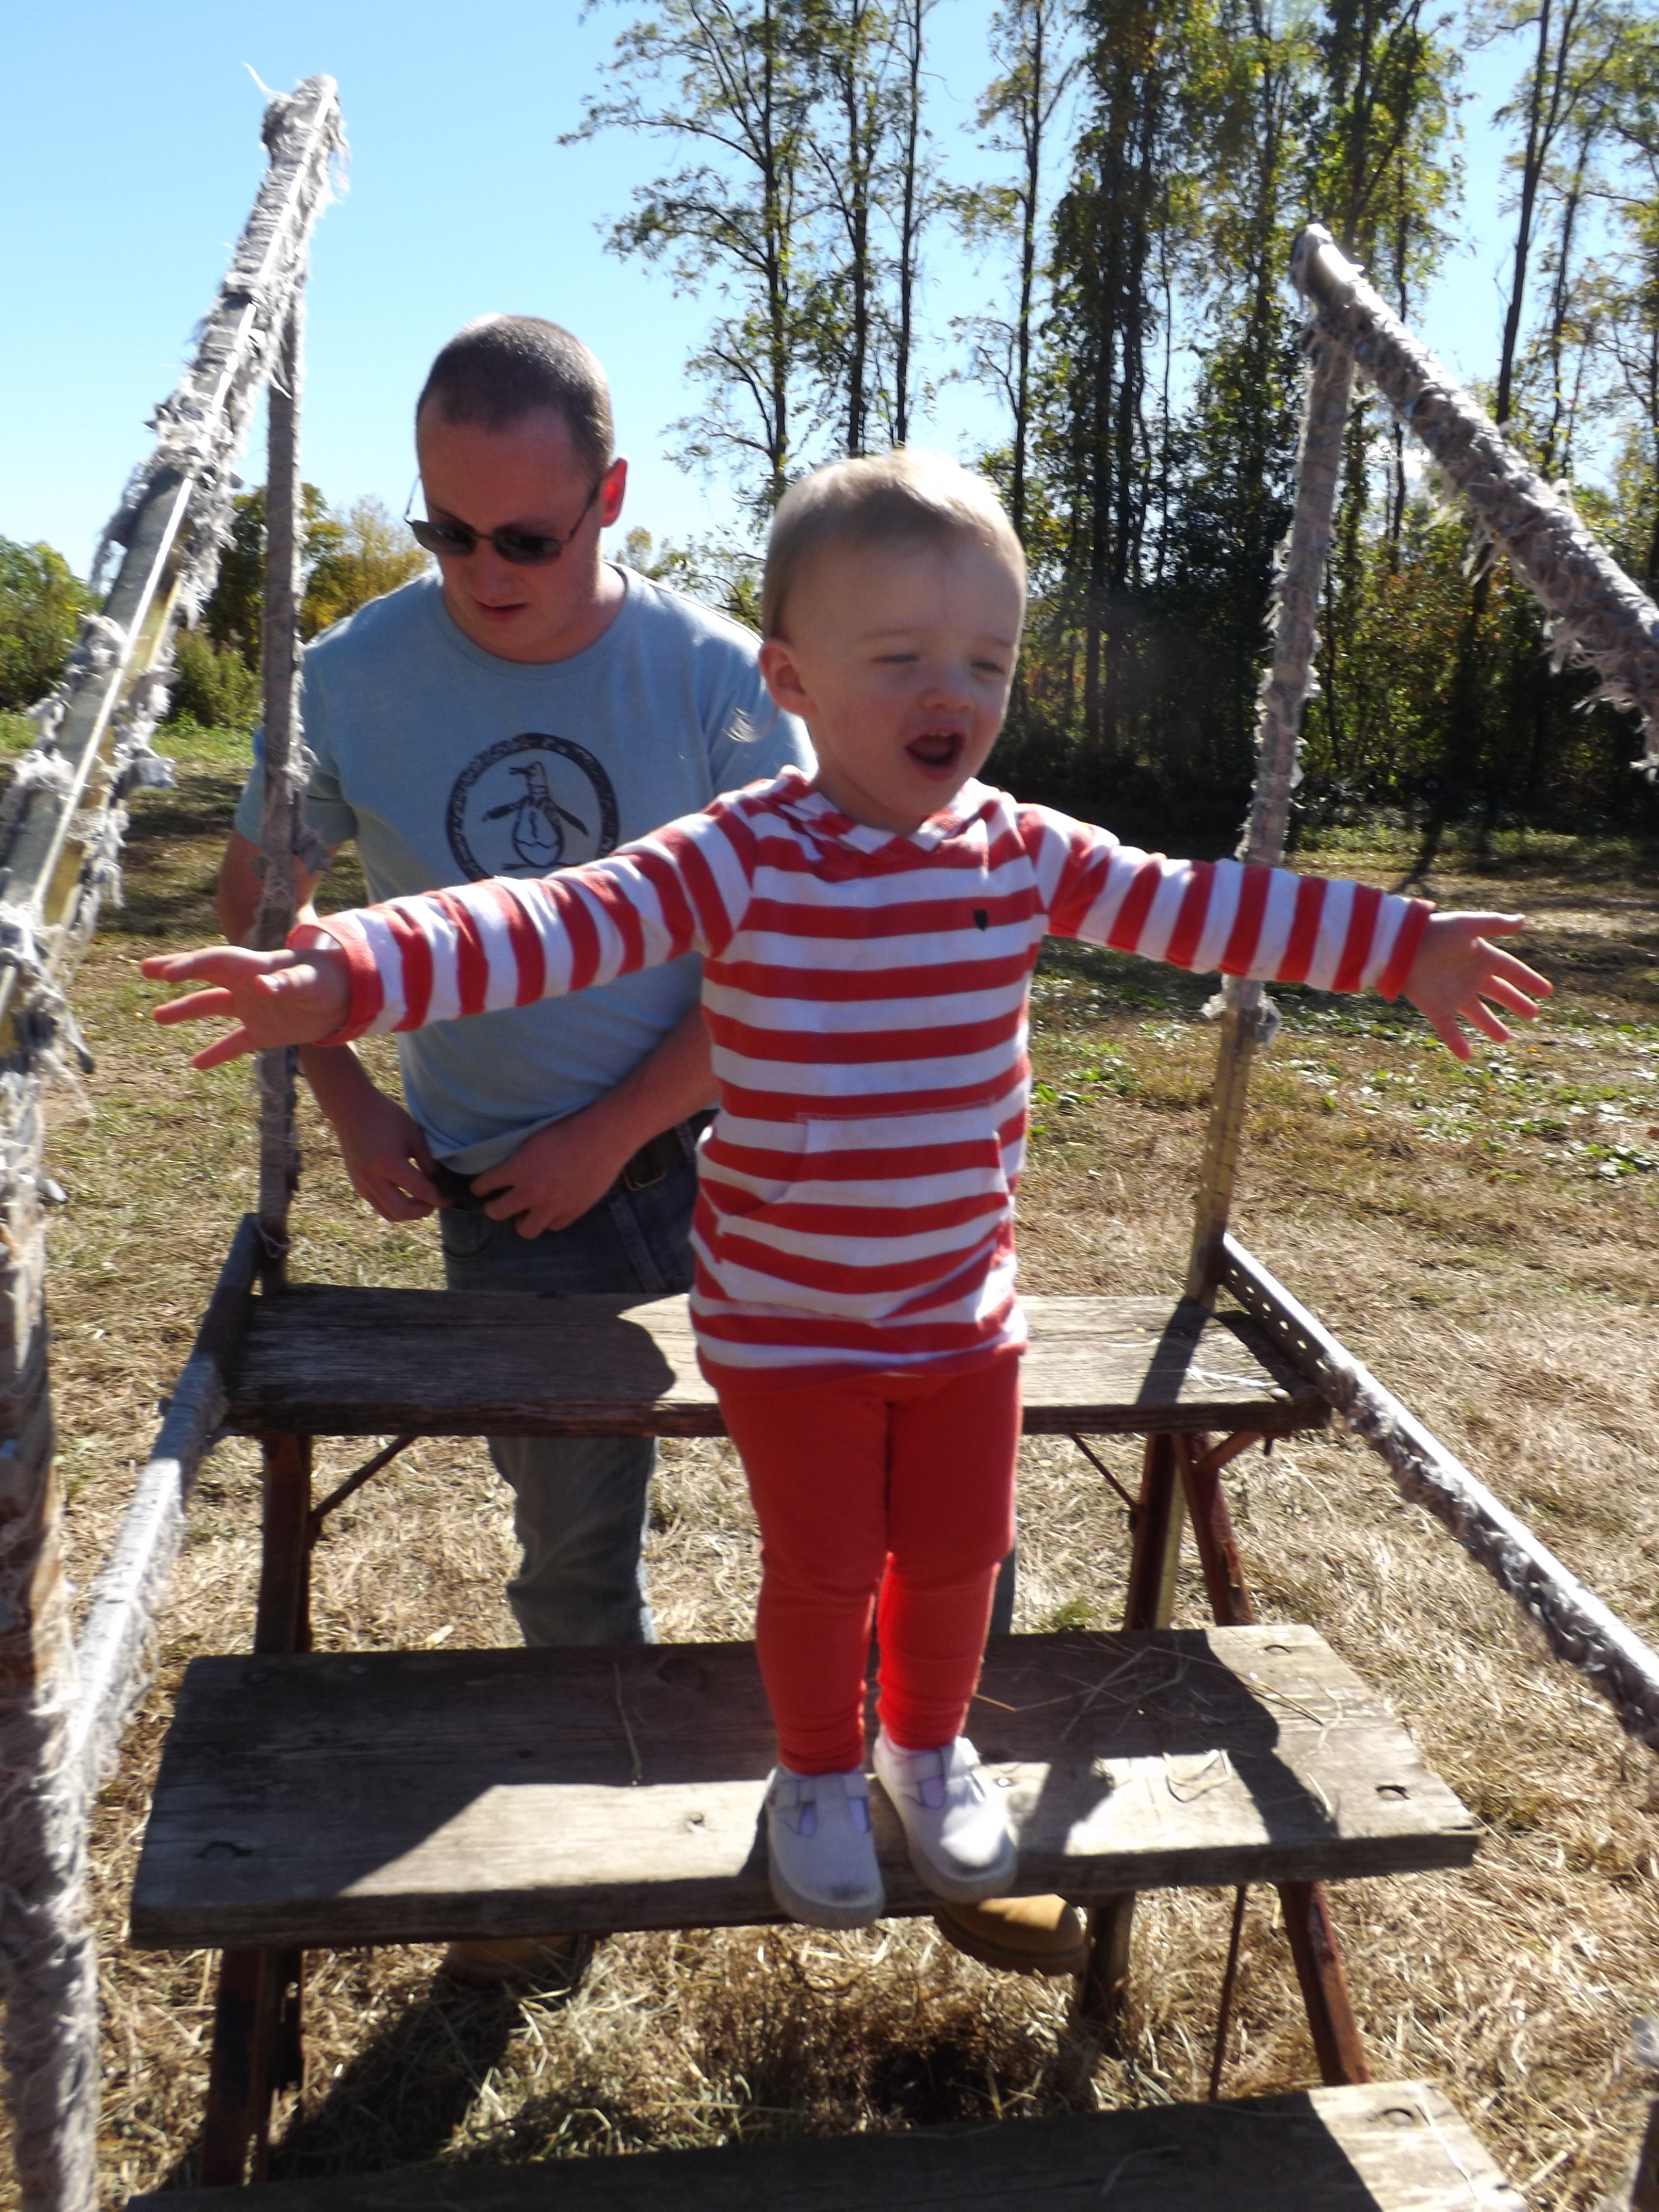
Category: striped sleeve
[1267,923]
[440,955]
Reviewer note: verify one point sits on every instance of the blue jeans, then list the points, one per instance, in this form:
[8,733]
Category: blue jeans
[581,1502]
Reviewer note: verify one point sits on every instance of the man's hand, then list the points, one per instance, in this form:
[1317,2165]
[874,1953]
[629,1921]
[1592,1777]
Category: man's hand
[274,998]
[1456,972]
[385,1155]
[555,1175]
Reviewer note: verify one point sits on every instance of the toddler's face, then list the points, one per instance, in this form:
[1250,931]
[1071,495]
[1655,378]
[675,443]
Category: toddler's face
[899,661]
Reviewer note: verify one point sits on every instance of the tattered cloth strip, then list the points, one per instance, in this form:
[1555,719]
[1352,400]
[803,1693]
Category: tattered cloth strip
[201,427]
[201,430]
[73,784]
[1596,614]
[1578,1627]
[48,1960]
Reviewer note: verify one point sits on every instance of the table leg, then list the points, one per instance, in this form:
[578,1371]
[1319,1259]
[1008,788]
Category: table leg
[1337,2041]
[1153,1561]
[257,2044]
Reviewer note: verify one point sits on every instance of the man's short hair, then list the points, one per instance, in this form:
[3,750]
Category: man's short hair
[909,494]
[502,367]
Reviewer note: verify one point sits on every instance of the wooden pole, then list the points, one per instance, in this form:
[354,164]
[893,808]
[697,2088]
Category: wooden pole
[48,1960]
[1579,1629]
[285,776]
[1597,613]
[1290,684]
[60,839]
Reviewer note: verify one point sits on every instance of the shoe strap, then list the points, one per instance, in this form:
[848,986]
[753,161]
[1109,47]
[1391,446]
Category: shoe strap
[930,1775]
[791,1790]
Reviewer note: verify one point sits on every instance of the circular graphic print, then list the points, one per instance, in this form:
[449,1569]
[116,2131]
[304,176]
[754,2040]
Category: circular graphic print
[528,805]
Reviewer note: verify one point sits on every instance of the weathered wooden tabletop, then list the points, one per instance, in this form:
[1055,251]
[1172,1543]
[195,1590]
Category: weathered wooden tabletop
[411,1796]
[319,1360]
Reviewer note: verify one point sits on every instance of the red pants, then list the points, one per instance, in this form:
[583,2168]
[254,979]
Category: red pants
[900,1483]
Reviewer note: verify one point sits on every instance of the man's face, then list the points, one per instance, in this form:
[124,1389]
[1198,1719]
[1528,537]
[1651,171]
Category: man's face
[899,661]
[530,477]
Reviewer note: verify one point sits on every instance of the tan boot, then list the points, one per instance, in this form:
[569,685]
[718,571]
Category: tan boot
[1018,1934]
[552,1965]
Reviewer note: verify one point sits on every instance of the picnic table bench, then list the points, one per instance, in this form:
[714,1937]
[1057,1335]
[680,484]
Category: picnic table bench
[310,1800]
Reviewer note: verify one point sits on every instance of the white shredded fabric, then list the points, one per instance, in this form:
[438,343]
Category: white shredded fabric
[77,777]
[48,1960]
[1597,613]
[1249,1016]
[1598,616]
[1575,1622]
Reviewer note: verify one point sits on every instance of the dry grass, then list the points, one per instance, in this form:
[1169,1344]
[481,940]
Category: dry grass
[1486,1241]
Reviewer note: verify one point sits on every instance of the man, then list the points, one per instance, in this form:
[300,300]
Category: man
[530,707]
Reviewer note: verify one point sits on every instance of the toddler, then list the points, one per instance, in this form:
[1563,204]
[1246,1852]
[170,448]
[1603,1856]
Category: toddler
[867,937]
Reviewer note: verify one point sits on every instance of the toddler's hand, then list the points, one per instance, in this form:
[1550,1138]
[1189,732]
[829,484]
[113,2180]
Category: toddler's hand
[275,998]
[1456,971]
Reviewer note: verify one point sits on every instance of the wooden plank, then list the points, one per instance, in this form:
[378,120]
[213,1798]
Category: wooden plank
[411,1796]
[133,1580]
[326,1361]
[1387,2146]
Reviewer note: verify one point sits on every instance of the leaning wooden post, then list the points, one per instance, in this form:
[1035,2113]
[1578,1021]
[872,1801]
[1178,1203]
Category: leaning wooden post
[1289,684]
[1598,615]
[282,825]
[61,825]
[1245,1024]
[48,1962]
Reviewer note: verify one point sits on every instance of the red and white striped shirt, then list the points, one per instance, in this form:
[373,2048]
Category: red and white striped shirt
[865,995]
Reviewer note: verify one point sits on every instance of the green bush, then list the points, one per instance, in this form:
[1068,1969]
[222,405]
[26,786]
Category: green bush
[213,686]
[41,603]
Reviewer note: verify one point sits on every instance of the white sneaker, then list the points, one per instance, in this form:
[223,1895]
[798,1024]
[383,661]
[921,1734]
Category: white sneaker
[821,1860]
[959,1840]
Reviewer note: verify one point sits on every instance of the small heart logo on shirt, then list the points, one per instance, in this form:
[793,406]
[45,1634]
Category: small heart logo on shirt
[981,919]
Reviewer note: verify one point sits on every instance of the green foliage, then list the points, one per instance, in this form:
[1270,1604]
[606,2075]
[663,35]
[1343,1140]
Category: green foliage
[719,574]
[347,559]
[212,685]
[231,617]
[804,188]
[42,603]
[1153,162]
[736,91]
[359,556]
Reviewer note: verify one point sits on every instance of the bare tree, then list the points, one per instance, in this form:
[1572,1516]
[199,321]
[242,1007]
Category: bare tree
[1028,41]
[737,88]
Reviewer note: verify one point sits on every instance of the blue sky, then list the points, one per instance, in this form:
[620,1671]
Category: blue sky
[130,153]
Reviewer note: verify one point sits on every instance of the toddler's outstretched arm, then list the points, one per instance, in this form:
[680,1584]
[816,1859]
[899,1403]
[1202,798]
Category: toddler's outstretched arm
[275,998]
[1456,972]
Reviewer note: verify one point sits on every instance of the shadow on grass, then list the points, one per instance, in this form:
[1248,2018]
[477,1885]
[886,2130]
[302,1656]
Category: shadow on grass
[402,2099]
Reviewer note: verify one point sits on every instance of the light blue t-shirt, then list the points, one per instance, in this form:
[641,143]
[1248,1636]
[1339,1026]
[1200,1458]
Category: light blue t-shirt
[445,763]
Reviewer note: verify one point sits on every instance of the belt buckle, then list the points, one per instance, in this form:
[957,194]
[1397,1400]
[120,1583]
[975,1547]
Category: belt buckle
[647,1166]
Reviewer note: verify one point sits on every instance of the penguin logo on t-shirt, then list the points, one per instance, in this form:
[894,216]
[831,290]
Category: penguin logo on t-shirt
[529,804]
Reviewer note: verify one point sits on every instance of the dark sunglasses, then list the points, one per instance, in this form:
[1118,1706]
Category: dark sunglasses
[523,548]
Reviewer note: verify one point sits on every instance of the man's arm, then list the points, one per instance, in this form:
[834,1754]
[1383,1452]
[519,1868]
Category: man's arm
[387,1156]
[555,1175]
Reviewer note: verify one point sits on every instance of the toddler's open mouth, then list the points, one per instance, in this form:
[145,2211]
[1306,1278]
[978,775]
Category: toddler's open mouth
[938,752]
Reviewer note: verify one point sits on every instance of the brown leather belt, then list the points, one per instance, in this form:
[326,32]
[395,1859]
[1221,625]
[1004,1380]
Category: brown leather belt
[654,1160]
[666,1151]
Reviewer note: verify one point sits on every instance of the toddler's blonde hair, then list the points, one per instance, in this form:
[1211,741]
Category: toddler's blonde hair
[909,494]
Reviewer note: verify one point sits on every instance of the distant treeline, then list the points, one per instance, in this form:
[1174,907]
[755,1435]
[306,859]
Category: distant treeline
[1137,172]
[1141,168]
